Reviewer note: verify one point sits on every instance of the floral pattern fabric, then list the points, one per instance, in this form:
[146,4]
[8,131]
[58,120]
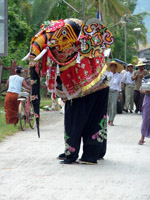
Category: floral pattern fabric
[68,148]
[102,133]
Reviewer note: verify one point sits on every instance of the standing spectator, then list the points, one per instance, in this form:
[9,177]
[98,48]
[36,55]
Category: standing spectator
[129,88]
[138,76]
[145,128]
[122,73]
[113,74]
[123,85]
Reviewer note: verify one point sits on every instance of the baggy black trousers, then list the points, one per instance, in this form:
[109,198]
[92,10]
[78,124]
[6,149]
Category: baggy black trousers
[86,118]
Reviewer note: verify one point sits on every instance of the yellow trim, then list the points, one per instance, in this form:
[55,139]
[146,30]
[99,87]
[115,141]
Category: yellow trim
[86,162]
[70,65]
[87,87]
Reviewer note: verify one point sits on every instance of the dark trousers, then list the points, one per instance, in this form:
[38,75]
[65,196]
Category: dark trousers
[86,118]
[138,100]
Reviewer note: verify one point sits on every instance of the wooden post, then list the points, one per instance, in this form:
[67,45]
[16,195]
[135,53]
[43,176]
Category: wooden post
[83,10]
[13,67]
[1,69]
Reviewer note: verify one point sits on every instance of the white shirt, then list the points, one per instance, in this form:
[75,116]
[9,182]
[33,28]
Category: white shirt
[15,84]
[123,73]
[115,81]
[127,78]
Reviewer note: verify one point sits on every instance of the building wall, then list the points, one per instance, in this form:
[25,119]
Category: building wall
[144,54]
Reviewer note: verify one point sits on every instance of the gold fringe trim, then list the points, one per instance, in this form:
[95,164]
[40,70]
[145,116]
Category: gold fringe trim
[70,65]
[87,87]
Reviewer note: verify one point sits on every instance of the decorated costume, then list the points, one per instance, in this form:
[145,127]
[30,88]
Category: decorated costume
[76,51]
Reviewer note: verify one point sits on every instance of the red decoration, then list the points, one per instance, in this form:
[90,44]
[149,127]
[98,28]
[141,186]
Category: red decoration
[81,75]
[52,80]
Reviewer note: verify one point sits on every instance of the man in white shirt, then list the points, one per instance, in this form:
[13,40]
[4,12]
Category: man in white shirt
[129,88]
[114,77]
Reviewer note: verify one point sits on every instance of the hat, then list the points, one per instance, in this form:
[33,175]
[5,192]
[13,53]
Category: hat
[119,66]
[140,63]
[130,65]
[19,69]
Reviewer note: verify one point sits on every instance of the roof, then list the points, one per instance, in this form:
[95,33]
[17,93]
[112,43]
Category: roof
[121,61]
[144,50]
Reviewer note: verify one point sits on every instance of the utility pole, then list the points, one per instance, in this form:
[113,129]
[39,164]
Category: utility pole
[125,38]
[137,30]
[83,10]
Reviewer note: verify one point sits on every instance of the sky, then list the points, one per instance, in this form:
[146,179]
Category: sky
[144,5]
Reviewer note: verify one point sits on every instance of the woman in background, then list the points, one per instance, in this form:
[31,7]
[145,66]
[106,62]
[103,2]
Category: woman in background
[145,128]
[14,84]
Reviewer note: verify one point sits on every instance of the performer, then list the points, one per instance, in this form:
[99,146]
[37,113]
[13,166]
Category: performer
[86,118]
[78,51]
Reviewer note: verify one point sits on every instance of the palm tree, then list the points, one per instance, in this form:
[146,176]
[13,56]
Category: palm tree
[111,10]
[137,21]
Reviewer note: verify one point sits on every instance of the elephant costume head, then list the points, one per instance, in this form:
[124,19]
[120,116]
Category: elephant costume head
[65,38]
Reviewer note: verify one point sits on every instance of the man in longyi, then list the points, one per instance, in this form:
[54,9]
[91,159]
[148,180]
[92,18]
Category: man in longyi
[138,76]
[129,89]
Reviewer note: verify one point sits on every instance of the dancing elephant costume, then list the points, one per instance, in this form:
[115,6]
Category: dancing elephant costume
[73,54]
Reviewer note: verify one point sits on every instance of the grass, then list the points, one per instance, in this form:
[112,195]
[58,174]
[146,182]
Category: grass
[8,130]
[48,102]
[45,102]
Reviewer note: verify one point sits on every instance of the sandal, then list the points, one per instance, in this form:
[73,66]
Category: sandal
[111,124]
[141,142]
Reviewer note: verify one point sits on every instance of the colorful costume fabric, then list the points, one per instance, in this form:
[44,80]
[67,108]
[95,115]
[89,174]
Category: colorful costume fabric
[86,118]
[77,49]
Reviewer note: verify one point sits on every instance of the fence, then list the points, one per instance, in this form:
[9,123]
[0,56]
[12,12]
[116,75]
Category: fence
[12,72]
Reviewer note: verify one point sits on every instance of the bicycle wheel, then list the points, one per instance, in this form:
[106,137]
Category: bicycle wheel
[32,117]
[22,116]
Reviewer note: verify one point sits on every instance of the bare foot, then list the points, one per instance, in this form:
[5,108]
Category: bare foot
[111,124]
[141,142]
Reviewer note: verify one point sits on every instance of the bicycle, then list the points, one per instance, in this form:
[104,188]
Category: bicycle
[26,111]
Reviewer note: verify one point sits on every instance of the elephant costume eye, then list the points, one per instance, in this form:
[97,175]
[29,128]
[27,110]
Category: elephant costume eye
[64,32]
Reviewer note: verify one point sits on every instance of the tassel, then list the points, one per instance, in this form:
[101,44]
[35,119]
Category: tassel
[78,58]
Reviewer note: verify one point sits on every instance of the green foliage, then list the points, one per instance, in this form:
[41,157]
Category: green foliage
[5,130]
[26,16]
[132,21]
[19,35]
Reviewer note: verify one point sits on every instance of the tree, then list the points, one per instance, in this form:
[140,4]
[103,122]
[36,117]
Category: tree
[19,34]
[26,16]
[111,10]
[132,21]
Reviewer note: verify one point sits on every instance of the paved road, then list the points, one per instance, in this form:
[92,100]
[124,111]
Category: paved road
[29,169]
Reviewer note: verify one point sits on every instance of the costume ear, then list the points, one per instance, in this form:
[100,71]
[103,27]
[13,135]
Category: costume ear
[97,37]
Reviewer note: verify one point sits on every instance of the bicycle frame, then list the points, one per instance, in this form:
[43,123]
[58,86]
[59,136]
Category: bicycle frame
[25,112]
